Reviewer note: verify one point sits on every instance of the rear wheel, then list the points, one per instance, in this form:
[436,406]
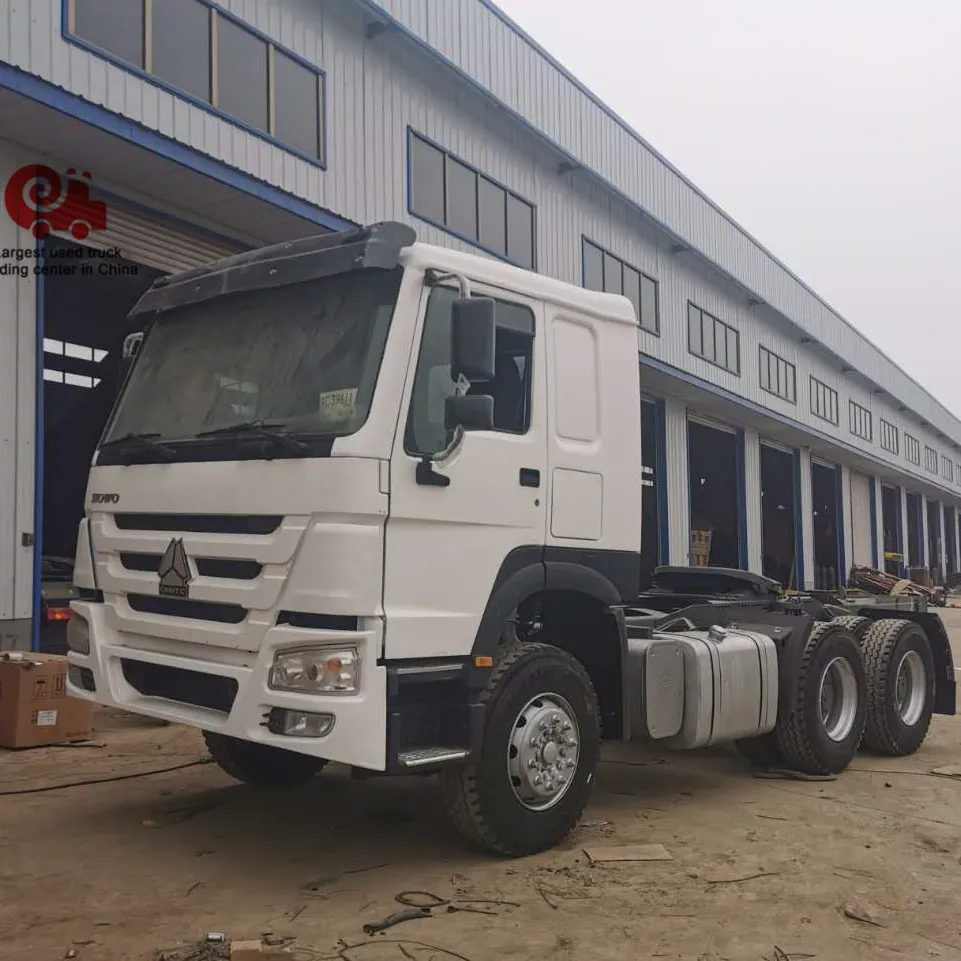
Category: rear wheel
[900,673]
[541,745]
[856,624]
[821,732]
[261,765]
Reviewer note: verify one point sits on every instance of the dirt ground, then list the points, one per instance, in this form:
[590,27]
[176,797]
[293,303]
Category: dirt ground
[865,867]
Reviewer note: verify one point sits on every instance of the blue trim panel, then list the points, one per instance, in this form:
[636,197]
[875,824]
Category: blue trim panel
[204,105]
[798,523]
[105,120]
[742,550]
[503,258]
[38,447]
[660,467]
[693,380]
[873,499]
[839,524]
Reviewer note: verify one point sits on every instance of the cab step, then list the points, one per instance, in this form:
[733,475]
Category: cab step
[423,756]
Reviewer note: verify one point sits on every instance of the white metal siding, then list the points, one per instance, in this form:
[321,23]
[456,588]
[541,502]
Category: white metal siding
[860,511]
[18,300]
[529,84]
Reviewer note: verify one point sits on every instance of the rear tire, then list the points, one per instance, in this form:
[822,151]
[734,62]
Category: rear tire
[900,673]
[261,765]
[821,731]
[856,624]
[499,799]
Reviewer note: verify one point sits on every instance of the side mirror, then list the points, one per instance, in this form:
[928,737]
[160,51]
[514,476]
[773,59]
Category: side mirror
[469,412]
[131,347]
[472,339]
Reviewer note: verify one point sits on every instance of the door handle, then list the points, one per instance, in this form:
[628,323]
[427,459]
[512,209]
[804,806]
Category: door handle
[530,477]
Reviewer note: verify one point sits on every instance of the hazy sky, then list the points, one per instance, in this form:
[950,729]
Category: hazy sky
[830,129]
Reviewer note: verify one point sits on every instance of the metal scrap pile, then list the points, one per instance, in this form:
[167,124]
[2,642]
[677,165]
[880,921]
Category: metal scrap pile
[872,581]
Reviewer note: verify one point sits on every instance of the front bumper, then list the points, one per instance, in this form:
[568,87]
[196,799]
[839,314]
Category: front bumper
[359,735]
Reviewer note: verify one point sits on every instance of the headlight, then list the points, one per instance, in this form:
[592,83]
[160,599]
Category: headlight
[78,635]
[318,670]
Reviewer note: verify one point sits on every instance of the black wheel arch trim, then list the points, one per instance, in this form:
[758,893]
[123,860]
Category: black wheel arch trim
[610,577]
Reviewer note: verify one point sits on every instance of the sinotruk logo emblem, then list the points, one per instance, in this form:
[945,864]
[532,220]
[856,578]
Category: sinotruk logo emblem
[174,570]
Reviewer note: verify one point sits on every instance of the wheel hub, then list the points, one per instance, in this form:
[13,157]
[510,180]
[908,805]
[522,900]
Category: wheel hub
[838,699]
[544,751]
[909,688]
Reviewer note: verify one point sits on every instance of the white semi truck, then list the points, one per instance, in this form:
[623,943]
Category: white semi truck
[370,501]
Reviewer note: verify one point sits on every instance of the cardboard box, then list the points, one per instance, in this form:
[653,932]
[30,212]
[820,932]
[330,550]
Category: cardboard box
[35,709]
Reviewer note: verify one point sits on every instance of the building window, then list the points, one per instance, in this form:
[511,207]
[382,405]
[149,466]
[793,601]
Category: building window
[605,272]
[713,340]
[448,193]
[860,421]
[931,460]
[890,437]
[947,468]
[776,375]
[912,449]
[214,60]
[824,401]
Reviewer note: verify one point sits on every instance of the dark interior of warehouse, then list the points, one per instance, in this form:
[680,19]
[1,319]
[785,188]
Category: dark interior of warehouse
[891,526]
[85,322]
[914,551]
[825,488]
[714,486]
[778,516]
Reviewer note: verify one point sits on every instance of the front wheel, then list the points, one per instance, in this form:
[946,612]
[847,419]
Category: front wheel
[821,731]
[541,745]
[900,669]
[261,765]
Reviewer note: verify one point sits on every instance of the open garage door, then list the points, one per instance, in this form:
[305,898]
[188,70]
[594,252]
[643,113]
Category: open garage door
[860,510]
[778,515]
[715,474]
[892,530]
[825,494]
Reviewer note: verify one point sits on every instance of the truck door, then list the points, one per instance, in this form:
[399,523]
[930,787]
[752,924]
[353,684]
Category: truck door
[445,544]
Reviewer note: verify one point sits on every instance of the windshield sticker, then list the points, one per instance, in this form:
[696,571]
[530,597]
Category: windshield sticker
[336,405]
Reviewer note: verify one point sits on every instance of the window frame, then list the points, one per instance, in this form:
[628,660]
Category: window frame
[912,444]
[215,11]
[829,392]
[764,358]
[446,154]
[858,417]
[625,265]
[716,324]
[889,437]
[529,375]
[931,457]
[947,468]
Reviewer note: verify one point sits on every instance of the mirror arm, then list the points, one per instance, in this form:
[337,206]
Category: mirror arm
[435,277]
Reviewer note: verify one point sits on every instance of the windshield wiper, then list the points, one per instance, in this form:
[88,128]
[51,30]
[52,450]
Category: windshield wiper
[262,429]
[144,442]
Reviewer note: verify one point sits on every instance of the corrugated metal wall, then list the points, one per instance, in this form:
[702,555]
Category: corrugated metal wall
[484,46]
[18,311]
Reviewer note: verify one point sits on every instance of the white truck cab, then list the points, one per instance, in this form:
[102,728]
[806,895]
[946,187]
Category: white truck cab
[375,502]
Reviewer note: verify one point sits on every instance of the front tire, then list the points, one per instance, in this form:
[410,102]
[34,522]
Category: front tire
[900,672]
[529,785]
[261,765]
[822,731]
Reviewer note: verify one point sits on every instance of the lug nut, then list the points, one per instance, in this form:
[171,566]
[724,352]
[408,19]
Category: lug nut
[532,763]
[537,779]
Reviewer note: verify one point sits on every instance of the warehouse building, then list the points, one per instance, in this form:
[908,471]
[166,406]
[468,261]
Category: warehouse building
[138,137]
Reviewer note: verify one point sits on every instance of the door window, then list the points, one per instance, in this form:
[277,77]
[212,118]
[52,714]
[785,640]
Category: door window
[511,387]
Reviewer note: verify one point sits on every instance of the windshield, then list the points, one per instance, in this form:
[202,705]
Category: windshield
[302,360]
